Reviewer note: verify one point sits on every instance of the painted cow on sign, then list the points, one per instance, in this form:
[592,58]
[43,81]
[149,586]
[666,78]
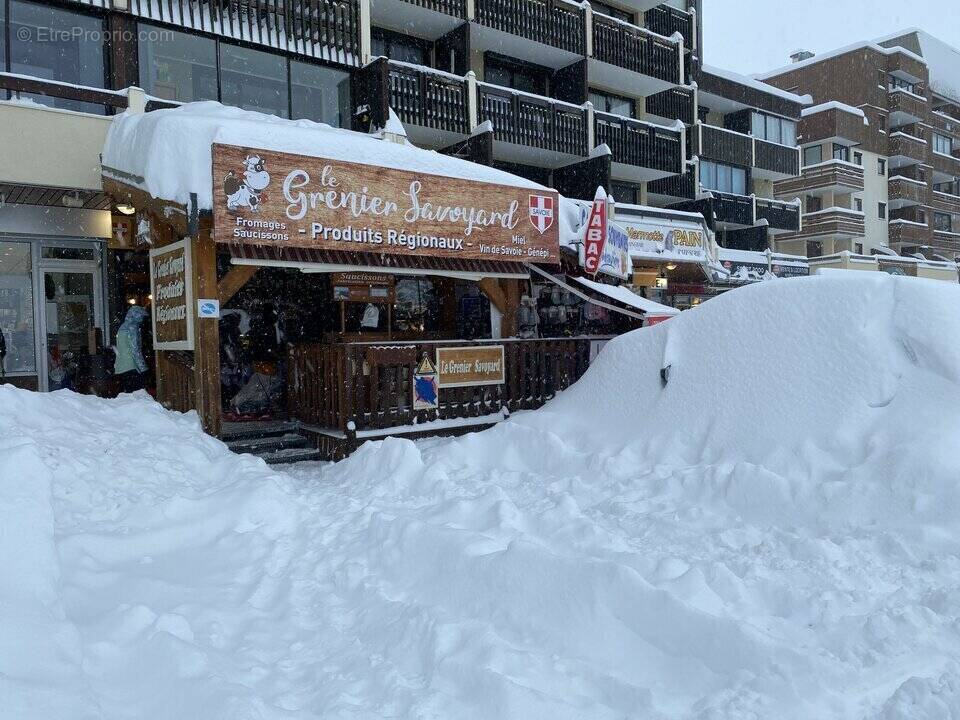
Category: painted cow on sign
[246,193]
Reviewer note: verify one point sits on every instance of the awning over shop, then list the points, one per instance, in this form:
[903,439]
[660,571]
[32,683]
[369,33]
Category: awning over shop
[628,298]
[315,260]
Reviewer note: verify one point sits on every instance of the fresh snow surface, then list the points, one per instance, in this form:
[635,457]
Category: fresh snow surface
[772,534]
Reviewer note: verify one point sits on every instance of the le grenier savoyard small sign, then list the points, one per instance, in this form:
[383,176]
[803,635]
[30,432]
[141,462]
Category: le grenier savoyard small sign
[262,197]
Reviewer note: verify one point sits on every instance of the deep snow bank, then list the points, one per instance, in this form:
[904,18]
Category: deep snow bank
[772,534]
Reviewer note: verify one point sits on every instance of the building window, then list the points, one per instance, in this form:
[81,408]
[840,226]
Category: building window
[882,211]
[254,80]
[897,83]
[56,44]
[176,65]
[858,204]
[814,203]
[613,104]
[16,307]
[605,9]
[723,178]
[774,129]
[942,144]
[881,166]
[319,93]
[395,46]
[813,155]
[841,152]
[814,248]
[858,248]
[922,217]
[922,175]
[516,75]
[942,222]
[948,188]
[882,123]
[624,192]
[858,158]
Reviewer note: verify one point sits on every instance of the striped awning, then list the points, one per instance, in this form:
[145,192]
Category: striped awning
[317,260]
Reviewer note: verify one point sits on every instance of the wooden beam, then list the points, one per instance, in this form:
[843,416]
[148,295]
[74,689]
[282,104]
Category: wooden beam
[206,353]
[491,288]
[231,283]
[511,292]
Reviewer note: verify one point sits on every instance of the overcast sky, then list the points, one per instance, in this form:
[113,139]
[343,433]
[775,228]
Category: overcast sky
[749,36]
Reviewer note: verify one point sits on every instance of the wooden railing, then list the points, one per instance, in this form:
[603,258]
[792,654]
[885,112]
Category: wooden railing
[552,22]
[429,98]
[175,380]
[779,215]
[677,186]
[732,209]
[328,29]
[673,104]
[780,159]
[726,146]
[666,20]
[635,48]
[533,121]
[369,384]
[637,143]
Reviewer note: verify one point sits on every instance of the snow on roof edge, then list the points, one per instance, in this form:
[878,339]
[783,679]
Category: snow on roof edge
[757,84]
[837,52]
[832,105]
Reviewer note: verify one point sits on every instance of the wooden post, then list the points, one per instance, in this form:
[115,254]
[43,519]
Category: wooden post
[206,333]
[511,291]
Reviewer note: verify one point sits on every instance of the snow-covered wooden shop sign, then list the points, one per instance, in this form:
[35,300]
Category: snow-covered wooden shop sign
[264,197]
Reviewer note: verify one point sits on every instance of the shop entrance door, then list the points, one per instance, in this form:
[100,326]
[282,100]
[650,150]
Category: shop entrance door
[70,310]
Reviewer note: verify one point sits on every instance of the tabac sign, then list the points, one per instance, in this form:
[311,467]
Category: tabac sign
[263,197]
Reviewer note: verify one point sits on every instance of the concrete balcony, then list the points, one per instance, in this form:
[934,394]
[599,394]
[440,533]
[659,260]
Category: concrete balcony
[908,233]
[833,176]
[836,223]
[905,150]
[904,192]
[905,107]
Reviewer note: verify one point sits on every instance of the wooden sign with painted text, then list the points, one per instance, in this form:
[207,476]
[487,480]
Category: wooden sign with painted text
[464,366]
[262,197]
[171,284]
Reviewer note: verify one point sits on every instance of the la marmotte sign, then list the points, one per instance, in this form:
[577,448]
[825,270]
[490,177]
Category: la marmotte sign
[262,197]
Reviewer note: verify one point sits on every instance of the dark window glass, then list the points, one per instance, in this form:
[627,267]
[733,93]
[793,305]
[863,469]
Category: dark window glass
[16,306]
[253,80]
[858,158]
[623,192]
[814,204]
[610,103]
[881,166]
[723,178]
[176,65]
[813,155]
[516,76]
[943,222]
[60,45]
[841,152]
[882,210]
[320,93]
[858,204]
[397,47]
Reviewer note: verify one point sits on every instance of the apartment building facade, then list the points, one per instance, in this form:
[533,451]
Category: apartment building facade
[881,148]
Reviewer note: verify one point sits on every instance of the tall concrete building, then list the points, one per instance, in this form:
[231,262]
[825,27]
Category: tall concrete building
[881,148]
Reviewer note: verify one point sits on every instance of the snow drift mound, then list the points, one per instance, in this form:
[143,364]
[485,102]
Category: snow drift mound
[773,534]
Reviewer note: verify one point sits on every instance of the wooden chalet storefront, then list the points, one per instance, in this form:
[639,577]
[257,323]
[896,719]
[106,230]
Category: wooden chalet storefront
[341,238]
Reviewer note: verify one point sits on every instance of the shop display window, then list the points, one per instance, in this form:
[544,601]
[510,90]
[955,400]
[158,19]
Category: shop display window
[16,308]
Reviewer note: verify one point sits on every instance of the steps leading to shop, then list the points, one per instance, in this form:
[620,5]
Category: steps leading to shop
[275,441]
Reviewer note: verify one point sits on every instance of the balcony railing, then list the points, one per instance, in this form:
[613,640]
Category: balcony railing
[732,209]
[666,20]
[328,29]
[904,191]
[835,175]
[673,104]
[675,186]
[552,22]
[635,48]
[726,146]
[830,222]
[429,98]
[533,121]
[905,102]
[908,231]
[637,143]
[779,215]
[775,158]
